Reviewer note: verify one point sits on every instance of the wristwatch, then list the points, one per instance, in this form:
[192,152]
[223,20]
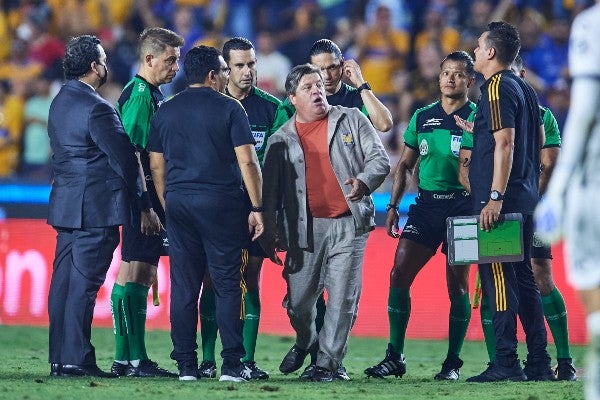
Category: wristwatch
[496,195]
[363,87]
[391,207]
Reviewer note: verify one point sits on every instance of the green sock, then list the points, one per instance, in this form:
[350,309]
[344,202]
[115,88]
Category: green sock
[208,324]
[136,303]
[119,326]
[488,327]
[460,315]
[251,321]
[320,318]
[555,312]
[398,314]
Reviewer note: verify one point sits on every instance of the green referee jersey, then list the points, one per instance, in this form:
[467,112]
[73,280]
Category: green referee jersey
[263,111]
[550,127]
[436,137]
[137,104]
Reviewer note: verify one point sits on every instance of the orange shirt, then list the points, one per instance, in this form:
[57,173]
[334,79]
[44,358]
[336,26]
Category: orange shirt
[324,195]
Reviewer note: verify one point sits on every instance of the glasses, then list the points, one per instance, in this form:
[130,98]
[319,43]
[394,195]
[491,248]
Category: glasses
[225,71]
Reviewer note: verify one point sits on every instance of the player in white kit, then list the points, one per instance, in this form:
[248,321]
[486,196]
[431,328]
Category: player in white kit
[569,204]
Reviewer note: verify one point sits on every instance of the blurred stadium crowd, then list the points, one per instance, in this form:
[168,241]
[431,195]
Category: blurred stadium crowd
[397,43]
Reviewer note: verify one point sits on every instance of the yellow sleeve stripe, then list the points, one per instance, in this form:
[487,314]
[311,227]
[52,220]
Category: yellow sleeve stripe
[494,99]
[500,289]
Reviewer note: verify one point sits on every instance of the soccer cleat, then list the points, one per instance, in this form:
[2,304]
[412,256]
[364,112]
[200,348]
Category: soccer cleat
[308,372]
[392,364]
[565,370]
[235,373]
[119,369]
[538,371]
[255,372]
[208,369]
[188,370]
[497,373]
[149,369]
[450,369]
[293,360]
[341,374]
[321,374]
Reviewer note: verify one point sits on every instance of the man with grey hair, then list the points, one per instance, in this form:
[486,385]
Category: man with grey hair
[320,168]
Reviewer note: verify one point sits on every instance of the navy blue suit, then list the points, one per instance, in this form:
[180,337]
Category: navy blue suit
[95,175]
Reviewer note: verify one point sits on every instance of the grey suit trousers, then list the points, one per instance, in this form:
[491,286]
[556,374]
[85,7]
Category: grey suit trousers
[333,265]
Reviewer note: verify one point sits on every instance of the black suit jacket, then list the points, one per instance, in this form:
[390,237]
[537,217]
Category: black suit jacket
[94,163]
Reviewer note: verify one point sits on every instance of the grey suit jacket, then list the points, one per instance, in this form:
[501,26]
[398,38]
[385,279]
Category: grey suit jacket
[94,164]
[355,150]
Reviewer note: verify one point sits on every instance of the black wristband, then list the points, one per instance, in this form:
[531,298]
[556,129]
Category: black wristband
[391,207]
[257,209]
[145,202]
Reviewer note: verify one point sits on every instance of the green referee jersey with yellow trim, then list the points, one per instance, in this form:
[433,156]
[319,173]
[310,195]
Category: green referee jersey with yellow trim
[434,135]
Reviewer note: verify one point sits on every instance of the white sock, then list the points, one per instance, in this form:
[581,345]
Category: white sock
[135,363]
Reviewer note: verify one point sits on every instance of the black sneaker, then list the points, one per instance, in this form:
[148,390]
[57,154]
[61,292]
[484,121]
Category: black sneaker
[207,369]
[188,371]
[392,364]
[255,371]
[341,374]
[119,369]
[235,373]
[149,369]
[321,374]
[308,372]
[293,360]
[565,370]
[538,371]
[450,369]
[497,373]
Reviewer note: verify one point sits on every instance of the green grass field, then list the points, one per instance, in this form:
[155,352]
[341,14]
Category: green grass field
[24,374]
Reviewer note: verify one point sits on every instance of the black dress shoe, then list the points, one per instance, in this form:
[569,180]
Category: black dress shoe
[293,360]
[55,369]
[68,370]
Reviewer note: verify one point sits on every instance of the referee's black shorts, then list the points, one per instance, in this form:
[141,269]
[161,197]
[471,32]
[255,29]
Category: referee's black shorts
[135,246]
[539,249]
[426,223]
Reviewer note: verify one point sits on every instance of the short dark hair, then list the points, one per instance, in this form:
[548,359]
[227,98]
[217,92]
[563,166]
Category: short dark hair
[236,43]
[518,63]
[505,38]
[199,61]
[464,57]
[325,46]
[293,78]
[80,52]
[155,41]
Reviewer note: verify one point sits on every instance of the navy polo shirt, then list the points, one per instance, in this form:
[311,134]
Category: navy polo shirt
[507,101]
[197,131]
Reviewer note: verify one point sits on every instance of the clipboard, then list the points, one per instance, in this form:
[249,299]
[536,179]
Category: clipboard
[468,244]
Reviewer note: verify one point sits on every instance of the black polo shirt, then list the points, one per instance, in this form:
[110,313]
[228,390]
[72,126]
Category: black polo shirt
[197,131]
[507,101]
